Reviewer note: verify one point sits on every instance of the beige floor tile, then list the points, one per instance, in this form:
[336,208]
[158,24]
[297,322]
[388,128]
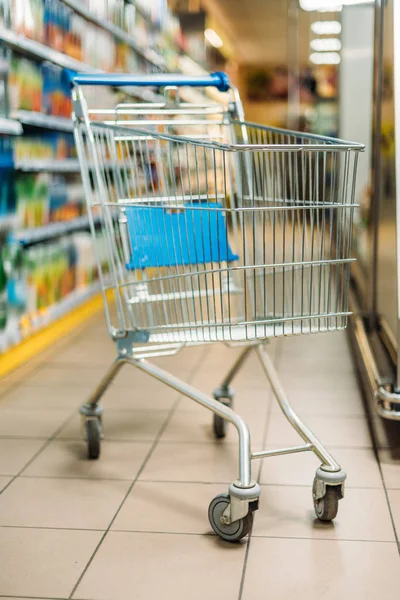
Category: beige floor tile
[390,465]
[328,342]
[320,382]
[139,425]
[250,377]
[85,353]
[316,569]
[43,562]
[394,501]
[349,432]
[61,503]
[66,375]
[324,403]
[196,426]
[118,460]
[288,512]
[139,398]
[4,481]
[31,423]
[360,465]
[149,565]
[168,507]
[44,397]
[16,453]
[206,463]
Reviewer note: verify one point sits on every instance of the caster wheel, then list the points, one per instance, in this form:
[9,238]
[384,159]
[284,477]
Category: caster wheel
[326,508]
[93,436]
[233,532]
[219,427]
[220,424]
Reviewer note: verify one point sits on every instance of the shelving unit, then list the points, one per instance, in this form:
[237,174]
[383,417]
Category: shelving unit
[38,119]
[33,121]
[148,54]
[68,165]
[53,230]
[10,127]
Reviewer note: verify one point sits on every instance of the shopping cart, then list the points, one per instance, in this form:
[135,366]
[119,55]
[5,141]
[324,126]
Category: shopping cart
[217,230]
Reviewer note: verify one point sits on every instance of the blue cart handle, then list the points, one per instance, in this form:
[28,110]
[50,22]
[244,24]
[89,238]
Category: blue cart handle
[219,80]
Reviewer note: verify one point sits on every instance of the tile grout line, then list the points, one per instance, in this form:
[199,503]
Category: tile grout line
[139,472]
[385,489]
[39,451]
[264,442]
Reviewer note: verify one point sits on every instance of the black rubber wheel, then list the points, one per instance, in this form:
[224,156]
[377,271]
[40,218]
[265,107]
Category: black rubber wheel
[220,424]
[233,532]
[93,435]
[219,427]
[326,508]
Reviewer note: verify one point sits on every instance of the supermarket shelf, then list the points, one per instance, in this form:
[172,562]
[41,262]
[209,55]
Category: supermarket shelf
[8,222]
[68,165]
[10,126]
[35,235]
[50,325]
[148,54]
[42,52]
[37,119]
[146,15]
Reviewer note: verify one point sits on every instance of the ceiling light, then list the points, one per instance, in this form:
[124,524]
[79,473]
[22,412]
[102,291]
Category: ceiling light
[322,5]
[326,27]
[325,58]
[325,44]
[213,37]
[330,5]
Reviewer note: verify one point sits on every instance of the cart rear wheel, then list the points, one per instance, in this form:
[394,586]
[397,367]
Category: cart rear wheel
[219,427]
[220,424]
[233,532]
[93,436]
[326,508]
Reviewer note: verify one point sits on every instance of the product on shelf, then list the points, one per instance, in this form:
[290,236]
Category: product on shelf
[3,294]
[43,198]
[7,195]
[55,269]
[41,87]
[44,146]
[53,23]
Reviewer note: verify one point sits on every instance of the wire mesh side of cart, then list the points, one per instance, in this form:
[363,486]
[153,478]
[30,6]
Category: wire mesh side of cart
[232,241]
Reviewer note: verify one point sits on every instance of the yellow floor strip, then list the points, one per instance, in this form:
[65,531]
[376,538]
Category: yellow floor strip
[38,342]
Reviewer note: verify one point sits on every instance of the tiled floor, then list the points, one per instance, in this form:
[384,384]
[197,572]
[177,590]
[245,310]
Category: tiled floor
[134,525]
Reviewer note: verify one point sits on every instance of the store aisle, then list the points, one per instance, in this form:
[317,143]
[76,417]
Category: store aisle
[134,524]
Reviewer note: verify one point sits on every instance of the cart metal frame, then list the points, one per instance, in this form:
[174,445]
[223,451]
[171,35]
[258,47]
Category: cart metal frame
[230,514]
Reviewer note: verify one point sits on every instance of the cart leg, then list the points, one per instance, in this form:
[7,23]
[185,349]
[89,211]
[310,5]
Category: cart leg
[224,393]
[231,515]
[329,480]
[92,412]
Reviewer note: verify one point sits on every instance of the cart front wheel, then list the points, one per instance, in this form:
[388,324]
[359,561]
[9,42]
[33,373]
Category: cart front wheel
[326,508]
[233,532]
[93,436]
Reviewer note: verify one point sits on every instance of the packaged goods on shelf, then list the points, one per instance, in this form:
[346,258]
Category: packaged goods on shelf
[43,198]
[36,283]
[53,23]
[7,196]
[49,145]
[40,87]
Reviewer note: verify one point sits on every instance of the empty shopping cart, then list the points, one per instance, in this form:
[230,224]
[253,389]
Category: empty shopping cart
[218,230]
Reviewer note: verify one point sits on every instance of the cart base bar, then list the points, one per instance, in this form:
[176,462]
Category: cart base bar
[231,514]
